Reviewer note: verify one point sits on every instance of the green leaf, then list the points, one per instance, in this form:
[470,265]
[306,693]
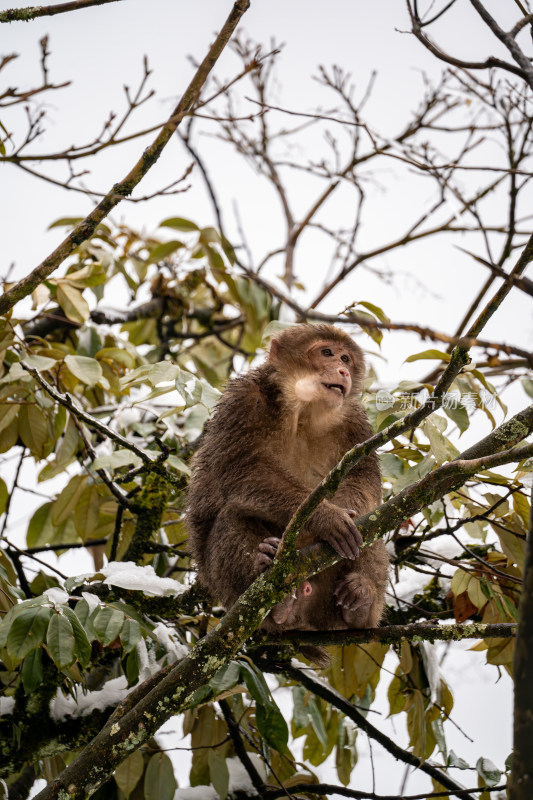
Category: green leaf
[108,624]
[177,463]
[130,634]
[72,302]
[40,363]
[459,415]
[255,683]
[218,771]
[275,327]
[86,369]
[85,617]
[179,224]
[455,761]
[376,310]
[60,640]
[226,678]
[32,670]
[429,354]
[118,458]
[129,773]
[34,431]
[65,222]
[317,722]
[82,649]
[9,415]
[87,512]
[527,384]
[442,449]
[27,631]
[346,755]
[67,500]
[272,726]
[488,771]
[438,731]
[4,494]
[395,694]
[159,780]
[163,250]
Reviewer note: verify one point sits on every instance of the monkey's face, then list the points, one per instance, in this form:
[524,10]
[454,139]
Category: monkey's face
[329,381]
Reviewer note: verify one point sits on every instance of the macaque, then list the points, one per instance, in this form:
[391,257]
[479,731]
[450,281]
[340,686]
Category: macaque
[275,434]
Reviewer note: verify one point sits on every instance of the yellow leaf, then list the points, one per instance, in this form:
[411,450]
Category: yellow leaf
[475,593]
[72,302]
[460,582]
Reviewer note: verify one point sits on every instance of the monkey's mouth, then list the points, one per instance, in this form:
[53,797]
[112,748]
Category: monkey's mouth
[335,387]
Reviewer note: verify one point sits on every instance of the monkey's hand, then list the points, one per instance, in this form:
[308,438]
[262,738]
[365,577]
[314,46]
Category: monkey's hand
[336,526]
[356,594]
[267,550]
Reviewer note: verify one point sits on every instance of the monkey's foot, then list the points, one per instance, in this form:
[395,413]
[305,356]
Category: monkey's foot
[356,594]
[267,550]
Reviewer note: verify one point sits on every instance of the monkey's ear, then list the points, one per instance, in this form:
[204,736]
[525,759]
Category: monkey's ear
[274,352]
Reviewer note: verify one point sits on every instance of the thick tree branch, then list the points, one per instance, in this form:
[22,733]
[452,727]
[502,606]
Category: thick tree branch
[177,689]
[32,12]
[508,40]
[490,62]
[322,789]
[235,733]
[124,188]
[392,634]
[521,784]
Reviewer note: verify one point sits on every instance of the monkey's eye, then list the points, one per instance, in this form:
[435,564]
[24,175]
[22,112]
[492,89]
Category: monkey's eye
[346,359]
[326,351]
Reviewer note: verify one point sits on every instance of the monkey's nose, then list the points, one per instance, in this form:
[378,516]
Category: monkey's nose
[344,372]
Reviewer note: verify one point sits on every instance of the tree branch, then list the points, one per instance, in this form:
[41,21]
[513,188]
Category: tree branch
[124,188]
[177,689]
[322,789]
[330,695]
[521,784]
[66,401]
[392,634]
[27,14]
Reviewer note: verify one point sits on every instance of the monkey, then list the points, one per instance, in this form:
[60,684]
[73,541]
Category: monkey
[275,434]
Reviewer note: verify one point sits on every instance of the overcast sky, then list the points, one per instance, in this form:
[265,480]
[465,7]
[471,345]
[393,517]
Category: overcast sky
[101,49]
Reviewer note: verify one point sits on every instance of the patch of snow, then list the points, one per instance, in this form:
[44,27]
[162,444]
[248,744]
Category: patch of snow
[111,694]
[58,597]
[7,704]
[197,793]
[165,636]
[239,781]
[431,662]
[409,584]
[146,660]
[92,600]
[129,575]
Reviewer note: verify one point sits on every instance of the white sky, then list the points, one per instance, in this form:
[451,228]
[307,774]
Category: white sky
[101,49]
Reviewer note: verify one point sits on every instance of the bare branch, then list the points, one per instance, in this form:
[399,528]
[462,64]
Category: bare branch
[124,188]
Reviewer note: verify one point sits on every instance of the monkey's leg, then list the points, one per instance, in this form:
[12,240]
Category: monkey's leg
[360,595]
[230,556]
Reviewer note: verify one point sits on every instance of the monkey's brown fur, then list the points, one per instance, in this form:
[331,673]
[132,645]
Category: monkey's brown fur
[276,432]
